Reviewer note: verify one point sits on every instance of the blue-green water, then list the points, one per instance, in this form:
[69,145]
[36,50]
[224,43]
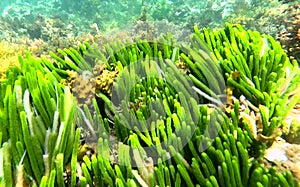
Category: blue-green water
[21,14]
[58,22]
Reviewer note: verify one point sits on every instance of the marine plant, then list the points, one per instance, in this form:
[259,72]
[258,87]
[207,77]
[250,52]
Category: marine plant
[8,57]
[256,66]
[47,139]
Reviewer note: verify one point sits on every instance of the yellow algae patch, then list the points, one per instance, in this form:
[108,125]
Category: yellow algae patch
[9,56]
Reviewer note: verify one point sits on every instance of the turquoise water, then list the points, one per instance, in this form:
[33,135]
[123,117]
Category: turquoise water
[20,15]
[61,22]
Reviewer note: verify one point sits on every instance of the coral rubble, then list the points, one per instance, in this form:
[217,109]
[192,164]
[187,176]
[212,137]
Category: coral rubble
[290,38]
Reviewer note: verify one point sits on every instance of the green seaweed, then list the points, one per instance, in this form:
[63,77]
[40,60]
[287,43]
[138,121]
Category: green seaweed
[39,116]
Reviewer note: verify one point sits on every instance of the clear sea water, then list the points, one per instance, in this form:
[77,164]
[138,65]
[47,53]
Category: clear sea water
[21,18]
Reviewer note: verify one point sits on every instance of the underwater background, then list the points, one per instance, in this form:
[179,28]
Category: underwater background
[45,26]
[232,65]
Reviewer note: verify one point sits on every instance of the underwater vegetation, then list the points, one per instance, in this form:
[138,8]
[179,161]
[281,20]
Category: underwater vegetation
[9,56]
[291,37]
[226,98]
[49,19]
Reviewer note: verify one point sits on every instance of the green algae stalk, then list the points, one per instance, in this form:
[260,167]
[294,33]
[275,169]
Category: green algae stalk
[44,181]
[7,167]
[220,157]
[209,163]
[226,175]
[95,170]
[86,174]
[60,169]
[82,182]
[14,125]
[197,172]
[103,148]
[81,61]
[183,172]
[244,163]
[35,159]
[167,176]
[236,169]
[66,62]
[119,174]
[282,180]
[104,174]
[230,167]
[74,157]
[160,178]
[119,183]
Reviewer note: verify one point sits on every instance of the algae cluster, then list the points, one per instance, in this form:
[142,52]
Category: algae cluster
[9,56]
[47,139]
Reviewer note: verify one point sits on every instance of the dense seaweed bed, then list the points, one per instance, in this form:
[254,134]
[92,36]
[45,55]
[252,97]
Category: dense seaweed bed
[230,97]
[91,99]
